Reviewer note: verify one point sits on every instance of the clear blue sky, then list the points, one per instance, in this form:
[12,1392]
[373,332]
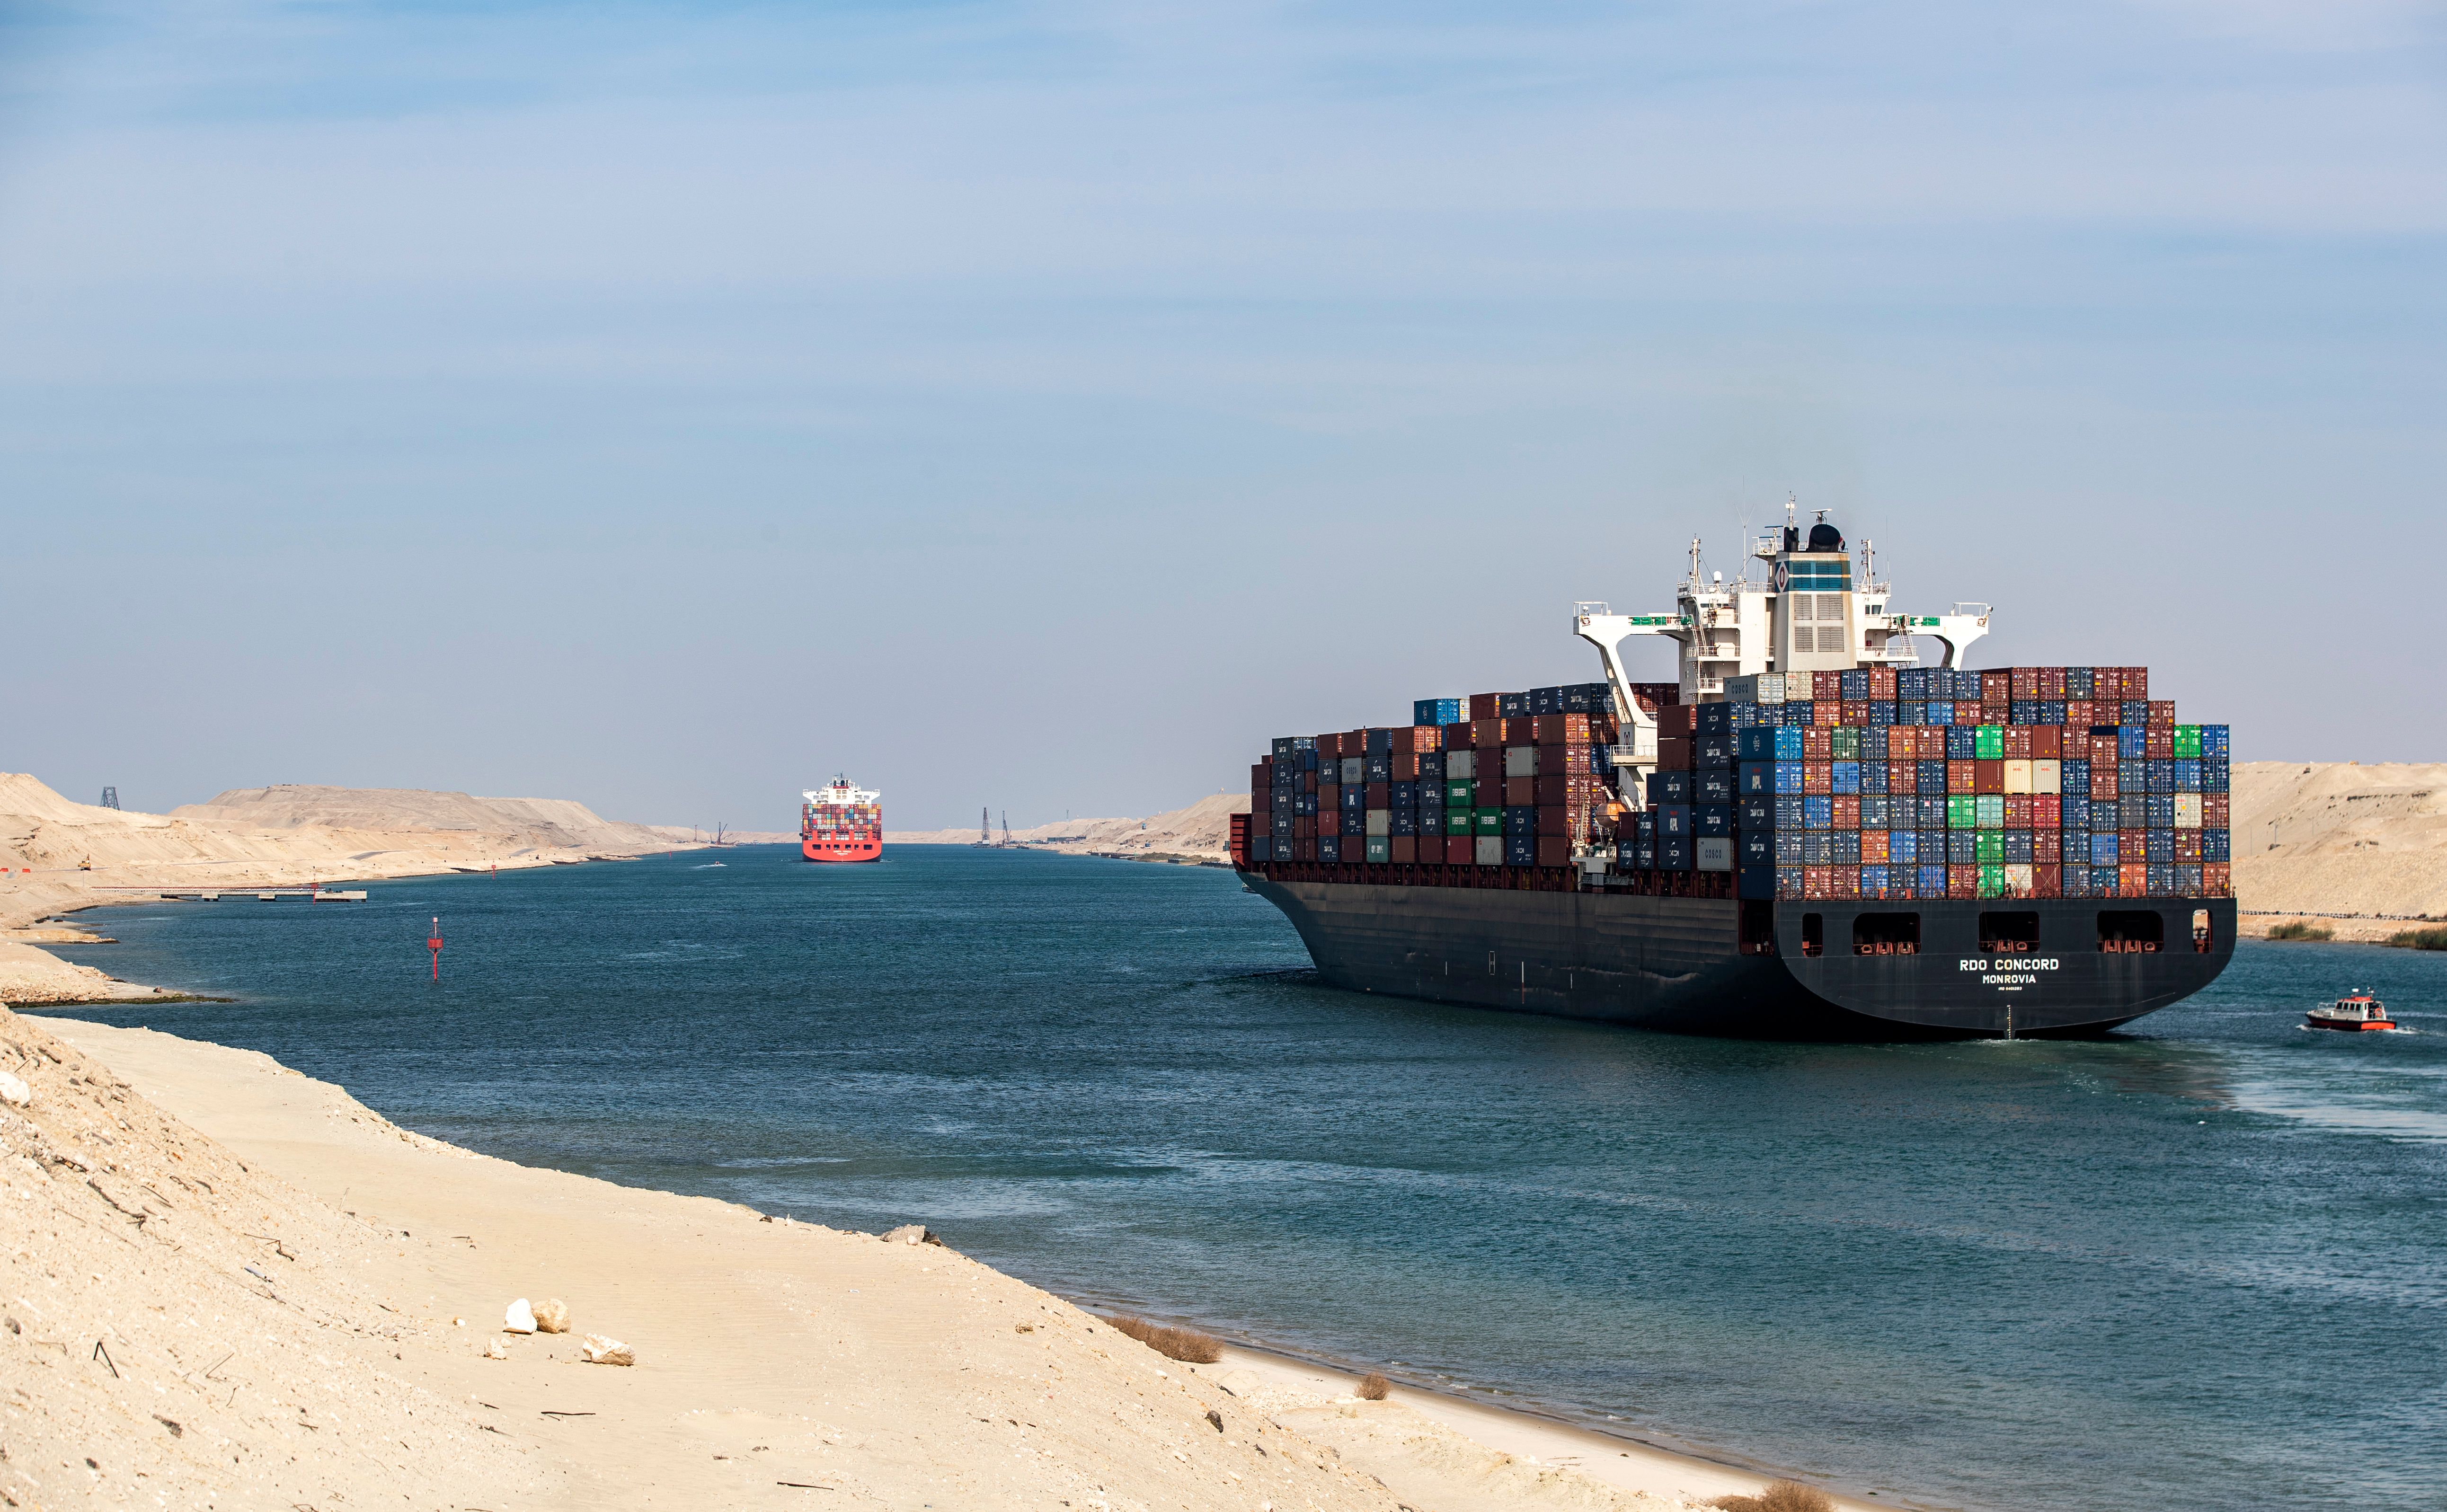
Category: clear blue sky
[1041,405]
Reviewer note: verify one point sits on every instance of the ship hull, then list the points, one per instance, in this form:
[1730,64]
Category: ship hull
[818,848]
[1728,966]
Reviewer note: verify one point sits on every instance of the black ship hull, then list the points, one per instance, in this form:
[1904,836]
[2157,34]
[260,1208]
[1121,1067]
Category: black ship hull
[1723,966]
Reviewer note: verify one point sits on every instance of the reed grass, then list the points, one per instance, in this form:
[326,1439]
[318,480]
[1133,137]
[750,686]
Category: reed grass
[2419,940]
[1176,1343]
[2301,929]
[1779,1496]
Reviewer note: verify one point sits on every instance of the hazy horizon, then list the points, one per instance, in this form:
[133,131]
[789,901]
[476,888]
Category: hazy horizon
[1041,407]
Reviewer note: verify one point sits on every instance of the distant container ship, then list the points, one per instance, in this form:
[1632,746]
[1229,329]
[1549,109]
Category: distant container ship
[841,823]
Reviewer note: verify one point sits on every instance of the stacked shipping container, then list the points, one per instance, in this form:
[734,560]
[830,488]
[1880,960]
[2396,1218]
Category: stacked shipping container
[1518,780]
[1879,782]
[1874,783]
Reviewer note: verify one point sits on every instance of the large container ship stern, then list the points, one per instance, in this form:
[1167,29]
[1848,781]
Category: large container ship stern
[1809,835]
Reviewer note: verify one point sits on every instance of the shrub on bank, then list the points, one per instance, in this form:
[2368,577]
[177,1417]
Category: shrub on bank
[1779,1496]
[1372,1387]
[2301,929]
[2419,940]
[1180,1344]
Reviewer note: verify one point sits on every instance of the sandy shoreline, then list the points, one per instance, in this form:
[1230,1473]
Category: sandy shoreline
[773,1355]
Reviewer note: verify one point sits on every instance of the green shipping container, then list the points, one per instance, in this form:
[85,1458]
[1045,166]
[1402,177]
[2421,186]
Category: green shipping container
[1962,811]
[1990,808]
[1381,848]
[1989,743]
[1457,820]
[1488,822]
[1992,882]
[1460,794]
[2187,742]
[1846,743]
[1992,848]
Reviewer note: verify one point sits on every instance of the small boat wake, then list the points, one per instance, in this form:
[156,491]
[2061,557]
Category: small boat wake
[709,866]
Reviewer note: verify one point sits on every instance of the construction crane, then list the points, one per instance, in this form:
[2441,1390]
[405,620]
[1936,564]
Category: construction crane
[1006,829]
[110,798]
[985,827]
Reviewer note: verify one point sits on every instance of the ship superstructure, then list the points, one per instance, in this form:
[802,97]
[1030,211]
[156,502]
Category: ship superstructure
[840,822]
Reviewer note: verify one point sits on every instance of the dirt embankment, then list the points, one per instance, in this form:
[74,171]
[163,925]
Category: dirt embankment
[1198,834]
[2360,848]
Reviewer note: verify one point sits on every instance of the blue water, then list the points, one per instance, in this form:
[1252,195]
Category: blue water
[2202,1264]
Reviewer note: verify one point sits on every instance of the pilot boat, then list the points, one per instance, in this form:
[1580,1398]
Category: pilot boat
[2354,1011]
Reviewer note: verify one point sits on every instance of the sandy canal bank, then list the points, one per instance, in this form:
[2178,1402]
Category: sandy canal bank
[231,1285]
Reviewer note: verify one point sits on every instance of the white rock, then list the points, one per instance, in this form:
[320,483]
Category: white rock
[912,1233]
[494,1349]
[519,1318]
[601,1351]
[552,1316]
[13,1090]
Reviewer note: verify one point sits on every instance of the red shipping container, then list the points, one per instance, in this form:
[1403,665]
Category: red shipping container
[2018,811]
[1304,826]
[1817,744]
[1554,850]
[1262,799]
[1380,795]
[2078,714]
[2218,879]
[1988,776]
[1846,882]
[1564,759]
[2188,845]
[1460,850]
[1355,743]
[1904,777]
[1556,818]
[1962,881]
[1405,767]
[1875,850]
[2132,879]
[1654,696]
[2106,685]
[1673,754]
[1329,748]
[2047,848]
[1856,712]
[1520,792]
[2214,808]
[1817,777]
[2102,783]
[1486,705]
[1487,734]
[1996,687]
[2018,743]
[1823,686]
[1455,737]
[2137,684]
[2025,681]
[2047,881]
[1304,849]
[2102,752]
[1563,729]
[1676,720]
[1818,882]
[2047,743]
[1489,793]
[1968,713]
[1402,849]
[2047,811]
[1882,683]
[2158,743]
[1827,712]
[2162,714]
[1960,776]
[1328,798]
[1847,811]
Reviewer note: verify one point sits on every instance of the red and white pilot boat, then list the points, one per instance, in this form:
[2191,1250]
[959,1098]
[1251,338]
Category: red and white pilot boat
[2354,1011]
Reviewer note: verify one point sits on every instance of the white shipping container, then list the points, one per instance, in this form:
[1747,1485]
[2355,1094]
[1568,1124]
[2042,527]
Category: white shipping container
[1520,761]
[2018,882]
[1380,822]
[1462,763]
[1354,770]
[1490,850]
[2047,777]
[2018,776]
[2188,810]
[1712,853]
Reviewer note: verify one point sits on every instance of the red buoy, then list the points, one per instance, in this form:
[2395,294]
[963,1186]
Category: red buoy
[433,943]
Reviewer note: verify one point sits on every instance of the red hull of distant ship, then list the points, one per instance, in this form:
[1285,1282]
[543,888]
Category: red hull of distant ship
[831,848]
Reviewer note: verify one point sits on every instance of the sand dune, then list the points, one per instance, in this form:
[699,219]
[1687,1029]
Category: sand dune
[58,855]
[2364,847]
[1199,832]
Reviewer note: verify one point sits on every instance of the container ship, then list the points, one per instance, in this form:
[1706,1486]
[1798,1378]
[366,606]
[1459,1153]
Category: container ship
[1809,834]
[840,822]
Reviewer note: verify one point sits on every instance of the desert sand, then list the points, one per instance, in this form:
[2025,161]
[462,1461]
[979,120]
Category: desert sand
[2362,849]
[59,856]
[1198,832]
[230,1285]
